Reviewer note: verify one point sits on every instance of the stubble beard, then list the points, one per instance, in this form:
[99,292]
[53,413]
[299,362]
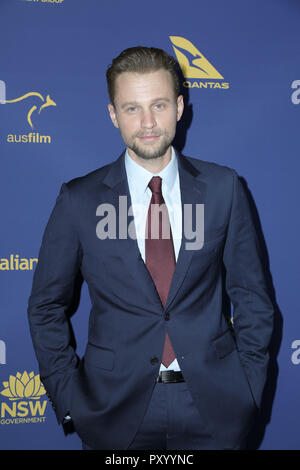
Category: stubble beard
[149,151]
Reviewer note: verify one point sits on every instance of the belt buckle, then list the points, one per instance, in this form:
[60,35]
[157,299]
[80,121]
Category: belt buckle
[170,376]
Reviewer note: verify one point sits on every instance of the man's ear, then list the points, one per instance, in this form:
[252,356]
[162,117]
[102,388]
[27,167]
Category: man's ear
[112,113]
[180,107]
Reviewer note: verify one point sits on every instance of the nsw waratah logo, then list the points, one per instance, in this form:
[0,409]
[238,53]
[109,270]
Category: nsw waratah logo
[25,404]
[23,386]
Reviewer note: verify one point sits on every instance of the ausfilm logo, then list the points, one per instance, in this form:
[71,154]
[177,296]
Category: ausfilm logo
[192,217]
[36,104]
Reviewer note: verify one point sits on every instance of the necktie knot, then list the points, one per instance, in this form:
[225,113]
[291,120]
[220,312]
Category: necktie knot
[155,184]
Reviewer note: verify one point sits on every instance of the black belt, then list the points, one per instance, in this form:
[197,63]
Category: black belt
[170,377]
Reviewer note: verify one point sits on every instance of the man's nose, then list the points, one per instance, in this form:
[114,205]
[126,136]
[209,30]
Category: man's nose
[148,119]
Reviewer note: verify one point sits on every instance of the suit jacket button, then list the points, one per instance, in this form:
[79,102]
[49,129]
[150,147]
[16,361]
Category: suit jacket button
[167,316]
[154,360]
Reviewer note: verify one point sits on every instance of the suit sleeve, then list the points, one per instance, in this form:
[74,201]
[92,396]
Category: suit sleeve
[52,295]
[247,288]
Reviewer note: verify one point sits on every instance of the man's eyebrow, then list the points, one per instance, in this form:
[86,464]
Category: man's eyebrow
[135,103]
[129,103]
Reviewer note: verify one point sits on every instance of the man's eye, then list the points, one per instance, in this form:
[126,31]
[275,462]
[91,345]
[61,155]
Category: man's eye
[159,106]
[131,109]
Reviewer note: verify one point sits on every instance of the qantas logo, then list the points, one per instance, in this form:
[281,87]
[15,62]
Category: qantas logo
[194,65]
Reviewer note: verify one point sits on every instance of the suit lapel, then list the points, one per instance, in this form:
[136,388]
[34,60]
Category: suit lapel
[116,180]
[192,192]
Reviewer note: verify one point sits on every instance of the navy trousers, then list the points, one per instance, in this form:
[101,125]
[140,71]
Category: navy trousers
[172,422]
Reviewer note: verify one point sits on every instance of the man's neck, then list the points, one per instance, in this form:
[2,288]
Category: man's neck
[154,165]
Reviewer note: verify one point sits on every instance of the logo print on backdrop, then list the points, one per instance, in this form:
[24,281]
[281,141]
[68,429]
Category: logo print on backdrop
[48,102]
[23,392]
[194,65]
[23,386]
[45,1]
[44,102]
[15,263]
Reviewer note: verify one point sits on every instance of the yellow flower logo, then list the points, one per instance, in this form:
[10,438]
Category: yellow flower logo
[23,386]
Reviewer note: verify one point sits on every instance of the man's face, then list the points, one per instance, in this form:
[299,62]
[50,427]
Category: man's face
[146,112]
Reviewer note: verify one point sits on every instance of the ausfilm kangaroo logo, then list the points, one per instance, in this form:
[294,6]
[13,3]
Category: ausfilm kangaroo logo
[23,392]
[36,104]
[194,65]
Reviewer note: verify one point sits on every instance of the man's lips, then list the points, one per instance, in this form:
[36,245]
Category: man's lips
[149,138]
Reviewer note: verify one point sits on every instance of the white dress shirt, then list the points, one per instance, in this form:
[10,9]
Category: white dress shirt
[138,179]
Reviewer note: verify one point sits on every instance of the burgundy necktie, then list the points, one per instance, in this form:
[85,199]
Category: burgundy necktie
[160,256]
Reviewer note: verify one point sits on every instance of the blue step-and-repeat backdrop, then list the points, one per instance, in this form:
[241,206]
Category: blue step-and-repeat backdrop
[242,109]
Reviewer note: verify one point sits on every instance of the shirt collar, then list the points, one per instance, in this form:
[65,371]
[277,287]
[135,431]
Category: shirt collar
[140,177]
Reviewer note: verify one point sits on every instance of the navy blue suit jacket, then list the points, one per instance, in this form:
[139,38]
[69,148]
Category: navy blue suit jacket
[107,391]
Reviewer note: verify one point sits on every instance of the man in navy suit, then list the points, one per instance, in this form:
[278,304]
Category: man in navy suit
[165,366]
